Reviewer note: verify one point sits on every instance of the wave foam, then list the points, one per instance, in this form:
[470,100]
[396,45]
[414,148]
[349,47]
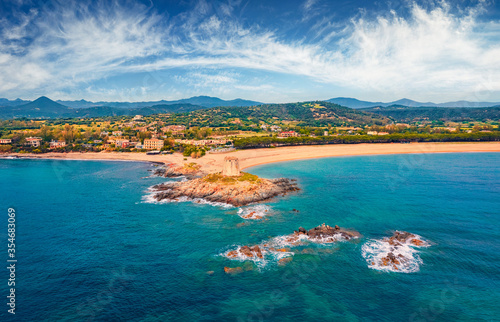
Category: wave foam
[254,212]
[149,197]
[376,251]
[269,255]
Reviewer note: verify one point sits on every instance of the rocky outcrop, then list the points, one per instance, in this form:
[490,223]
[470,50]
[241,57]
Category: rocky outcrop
[399,257]
[404,237]
[323,233]
[393,260]
[234,191]
[247,251]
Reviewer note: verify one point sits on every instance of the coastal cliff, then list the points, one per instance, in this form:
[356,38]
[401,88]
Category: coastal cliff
[236,191]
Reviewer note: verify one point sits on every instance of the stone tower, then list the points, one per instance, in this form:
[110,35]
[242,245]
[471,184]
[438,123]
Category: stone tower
[231,167]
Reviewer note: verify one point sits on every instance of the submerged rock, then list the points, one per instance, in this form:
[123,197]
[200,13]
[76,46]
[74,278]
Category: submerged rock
[233,270]
[247,251]
[284,261]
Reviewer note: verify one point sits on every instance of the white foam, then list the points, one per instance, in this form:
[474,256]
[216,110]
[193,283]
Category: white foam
[149,197]
[254,212]
[375,250]
[269,256]
[296,240]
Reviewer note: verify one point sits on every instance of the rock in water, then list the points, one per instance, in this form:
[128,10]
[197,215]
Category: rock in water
[235,270]
[326,232]
[284,261]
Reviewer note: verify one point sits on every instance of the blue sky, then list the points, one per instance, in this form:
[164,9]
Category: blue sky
[269,51]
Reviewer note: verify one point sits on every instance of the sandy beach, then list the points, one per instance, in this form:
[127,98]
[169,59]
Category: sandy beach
[253,157]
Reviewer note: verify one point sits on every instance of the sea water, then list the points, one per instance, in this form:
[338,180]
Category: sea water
[92,246]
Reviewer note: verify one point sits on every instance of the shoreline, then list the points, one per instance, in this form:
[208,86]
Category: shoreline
[289,159]
[211,163]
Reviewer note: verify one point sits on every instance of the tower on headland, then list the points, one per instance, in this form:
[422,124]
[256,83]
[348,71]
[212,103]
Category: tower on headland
[231,167]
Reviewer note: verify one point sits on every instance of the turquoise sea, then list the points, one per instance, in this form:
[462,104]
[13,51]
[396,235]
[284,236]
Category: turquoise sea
[91,247]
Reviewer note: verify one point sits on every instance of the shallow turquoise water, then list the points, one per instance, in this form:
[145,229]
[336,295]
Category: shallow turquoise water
[90,247]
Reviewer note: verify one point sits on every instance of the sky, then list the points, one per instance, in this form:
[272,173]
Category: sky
[264,50]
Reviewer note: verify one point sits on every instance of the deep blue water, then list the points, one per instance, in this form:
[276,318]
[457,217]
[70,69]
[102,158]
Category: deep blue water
[90,248]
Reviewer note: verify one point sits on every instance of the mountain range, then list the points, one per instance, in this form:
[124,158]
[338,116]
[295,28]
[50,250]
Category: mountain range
[44,107]
[355,103]
[204,101]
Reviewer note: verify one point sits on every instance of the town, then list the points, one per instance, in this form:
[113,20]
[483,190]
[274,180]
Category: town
[224,129]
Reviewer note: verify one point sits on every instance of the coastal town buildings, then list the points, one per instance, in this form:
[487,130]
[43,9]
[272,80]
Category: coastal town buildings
[57,144]
[153,144]
[174,129]
[5,141]
[288,134]
[377,133]
[122,143]
[33,141]
[202,142]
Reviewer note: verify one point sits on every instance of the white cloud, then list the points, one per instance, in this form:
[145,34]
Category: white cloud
[433,53]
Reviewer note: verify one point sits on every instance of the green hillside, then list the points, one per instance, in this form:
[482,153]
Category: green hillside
[406,114]
[304,114]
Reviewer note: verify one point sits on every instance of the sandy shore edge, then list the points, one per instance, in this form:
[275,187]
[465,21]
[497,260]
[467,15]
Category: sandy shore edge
[254,157]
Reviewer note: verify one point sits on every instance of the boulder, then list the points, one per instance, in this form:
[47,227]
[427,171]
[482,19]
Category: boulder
[324,232]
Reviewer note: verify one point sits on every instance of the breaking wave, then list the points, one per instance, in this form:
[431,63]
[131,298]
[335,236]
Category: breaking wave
[376,252]
[149,197]
[254,212]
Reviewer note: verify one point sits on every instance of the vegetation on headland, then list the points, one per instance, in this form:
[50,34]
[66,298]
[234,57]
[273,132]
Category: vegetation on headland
[219,178]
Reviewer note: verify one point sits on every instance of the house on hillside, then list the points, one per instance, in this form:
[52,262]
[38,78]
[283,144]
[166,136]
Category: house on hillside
[288,134]
[57,144]
[33,141]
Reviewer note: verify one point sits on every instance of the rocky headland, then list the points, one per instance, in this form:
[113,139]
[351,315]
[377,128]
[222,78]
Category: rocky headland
[237,191]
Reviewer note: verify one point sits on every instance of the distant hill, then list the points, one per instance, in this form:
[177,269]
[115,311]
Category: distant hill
[44,107]
[6,102]
[405,114]
[205,101]
[355,103]
[305,113]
